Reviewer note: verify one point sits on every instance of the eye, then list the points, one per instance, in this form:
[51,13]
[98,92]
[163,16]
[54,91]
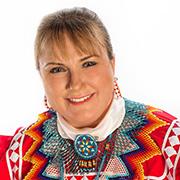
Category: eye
[57,70]
[89,63]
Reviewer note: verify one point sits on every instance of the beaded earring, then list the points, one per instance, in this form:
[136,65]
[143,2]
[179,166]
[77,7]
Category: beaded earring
[46,103]
[116,88]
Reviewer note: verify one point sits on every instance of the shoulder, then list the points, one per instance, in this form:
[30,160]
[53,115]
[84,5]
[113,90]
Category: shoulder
[167,137]
[23,134]
[160,123]
[148,113]
[17,148]
[160,135]
[162,127]
[4,143]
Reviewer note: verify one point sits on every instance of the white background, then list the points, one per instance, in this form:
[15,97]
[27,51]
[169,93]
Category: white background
[146,40]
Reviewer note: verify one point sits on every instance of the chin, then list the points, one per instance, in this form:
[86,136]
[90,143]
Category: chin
[82,122]
[81,126]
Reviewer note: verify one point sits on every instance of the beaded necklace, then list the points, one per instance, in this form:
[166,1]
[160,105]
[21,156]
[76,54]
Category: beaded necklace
[89,155]
[63,154]
[84,155]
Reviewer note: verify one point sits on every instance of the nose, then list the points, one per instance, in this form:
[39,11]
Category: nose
[74,80]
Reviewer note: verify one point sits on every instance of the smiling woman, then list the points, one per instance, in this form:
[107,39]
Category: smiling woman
[89,130]
[69,89]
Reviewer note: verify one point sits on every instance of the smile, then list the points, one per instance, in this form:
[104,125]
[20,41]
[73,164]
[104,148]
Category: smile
[81,99]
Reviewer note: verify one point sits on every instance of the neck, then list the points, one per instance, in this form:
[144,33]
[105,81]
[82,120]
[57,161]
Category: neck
[110,121]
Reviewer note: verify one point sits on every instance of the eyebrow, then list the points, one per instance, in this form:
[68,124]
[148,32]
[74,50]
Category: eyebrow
[87,57]
[81,59]
[52,63]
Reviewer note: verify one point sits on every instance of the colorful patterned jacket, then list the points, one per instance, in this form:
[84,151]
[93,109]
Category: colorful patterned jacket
[145,146]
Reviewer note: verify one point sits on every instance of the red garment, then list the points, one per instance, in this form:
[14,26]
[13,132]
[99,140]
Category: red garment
[4,144]
[157,157]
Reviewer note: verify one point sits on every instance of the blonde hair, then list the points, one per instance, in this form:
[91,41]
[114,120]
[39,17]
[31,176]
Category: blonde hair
[81,25]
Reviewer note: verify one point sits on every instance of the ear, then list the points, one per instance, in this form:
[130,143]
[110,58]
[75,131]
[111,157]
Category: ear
[112,61]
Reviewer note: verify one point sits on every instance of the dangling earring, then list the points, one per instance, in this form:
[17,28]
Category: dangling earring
[46,103]
[116,88]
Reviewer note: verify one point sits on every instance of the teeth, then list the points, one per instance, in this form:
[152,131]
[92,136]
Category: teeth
[80,99]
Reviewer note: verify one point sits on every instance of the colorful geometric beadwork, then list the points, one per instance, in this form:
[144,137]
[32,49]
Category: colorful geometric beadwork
[56,157]
[85,146]
[87,163]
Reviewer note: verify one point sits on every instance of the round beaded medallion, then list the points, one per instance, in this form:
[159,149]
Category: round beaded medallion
[85,146]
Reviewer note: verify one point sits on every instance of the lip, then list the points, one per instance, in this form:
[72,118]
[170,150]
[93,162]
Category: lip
[78,97]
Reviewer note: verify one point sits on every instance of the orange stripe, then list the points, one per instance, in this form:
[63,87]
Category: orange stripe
[30,156]
[151,148]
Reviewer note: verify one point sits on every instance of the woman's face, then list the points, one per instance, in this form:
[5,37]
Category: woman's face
[80,87]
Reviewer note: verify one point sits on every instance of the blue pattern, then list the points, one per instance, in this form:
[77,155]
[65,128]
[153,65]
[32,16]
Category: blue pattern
[55,148]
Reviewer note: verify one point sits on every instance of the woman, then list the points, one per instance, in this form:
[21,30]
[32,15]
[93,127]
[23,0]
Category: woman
[90,131]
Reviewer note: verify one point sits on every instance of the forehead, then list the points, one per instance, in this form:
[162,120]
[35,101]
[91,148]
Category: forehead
[66,48]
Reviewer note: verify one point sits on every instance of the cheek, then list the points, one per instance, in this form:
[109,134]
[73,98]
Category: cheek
[105,75]
[55,93]
[52,86]
[102,80]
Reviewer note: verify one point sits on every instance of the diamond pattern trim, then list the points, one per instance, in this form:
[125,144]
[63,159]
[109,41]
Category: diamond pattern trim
[13,154]
[172,147]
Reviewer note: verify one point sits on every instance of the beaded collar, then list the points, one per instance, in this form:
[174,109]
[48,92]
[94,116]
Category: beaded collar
[64,158]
